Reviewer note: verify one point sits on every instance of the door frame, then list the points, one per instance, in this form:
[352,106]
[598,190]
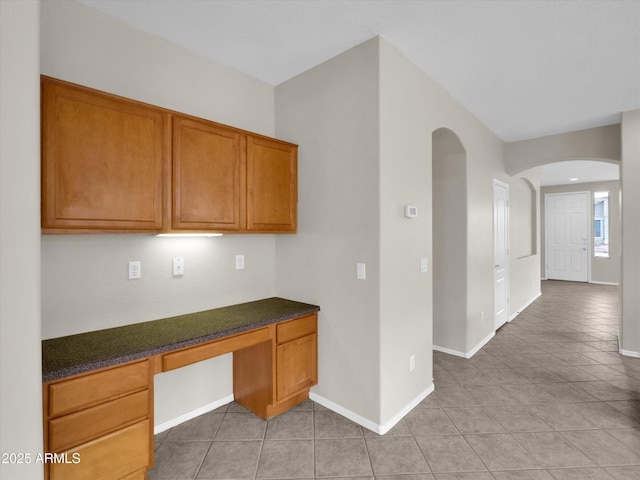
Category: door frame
[589,194]
[508,266]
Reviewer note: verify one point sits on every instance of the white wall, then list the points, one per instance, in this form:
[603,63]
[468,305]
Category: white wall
[589,144]
[630,179]
[364,121]
[524,234]
[332,112]
[420,106]
[20,364]
[406,297]
[84,283]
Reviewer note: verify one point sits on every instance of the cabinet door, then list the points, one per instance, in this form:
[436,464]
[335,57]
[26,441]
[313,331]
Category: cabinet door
[207,176]
[297,366]
[102,161]
[272,185]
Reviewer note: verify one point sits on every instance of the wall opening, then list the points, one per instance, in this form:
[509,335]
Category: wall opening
[524,215]
[449,170]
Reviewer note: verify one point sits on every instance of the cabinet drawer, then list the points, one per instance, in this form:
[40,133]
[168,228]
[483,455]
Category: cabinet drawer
[297,328]
[85,425]
[212,349]
[108,458]
[70,395]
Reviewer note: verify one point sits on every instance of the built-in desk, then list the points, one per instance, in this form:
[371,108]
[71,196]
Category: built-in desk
[98,386]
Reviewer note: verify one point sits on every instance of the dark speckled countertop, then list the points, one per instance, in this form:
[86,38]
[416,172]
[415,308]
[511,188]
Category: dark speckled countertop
[65,356]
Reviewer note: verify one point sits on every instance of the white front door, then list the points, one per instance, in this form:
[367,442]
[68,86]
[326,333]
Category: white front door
[500,253]
[567,236]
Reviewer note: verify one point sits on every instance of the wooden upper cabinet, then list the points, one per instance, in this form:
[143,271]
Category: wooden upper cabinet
[272,187]
[110,164]
[102,161]
[208,176]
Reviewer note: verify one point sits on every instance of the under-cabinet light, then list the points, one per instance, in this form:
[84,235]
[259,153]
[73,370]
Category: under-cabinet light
[182,235]
[573,179]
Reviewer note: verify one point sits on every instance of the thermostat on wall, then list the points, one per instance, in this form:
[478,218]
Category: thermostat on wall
[410,211]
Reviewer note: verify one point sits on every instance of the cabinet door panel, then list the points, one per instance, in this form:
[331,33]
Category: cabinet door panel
[272,187]
[102,161]
[207,176]
[297,366]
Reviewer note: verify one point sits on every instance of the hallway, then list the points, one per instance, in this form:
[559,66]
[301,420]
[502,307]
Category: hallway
[548,398]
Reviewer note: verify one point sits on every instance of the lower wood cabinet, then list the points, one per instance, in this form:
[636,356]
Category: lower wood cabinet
[100,424]
[296,357]
[297,368]
[271,377]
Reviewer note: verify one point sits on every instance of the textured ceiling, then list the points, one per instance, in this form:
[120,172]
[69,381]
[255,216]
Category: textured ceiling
[525,68]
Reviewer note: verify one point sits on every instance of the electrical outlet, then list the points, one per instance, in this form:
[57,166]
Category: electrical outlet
[239,262]
[412,363]
[134,270]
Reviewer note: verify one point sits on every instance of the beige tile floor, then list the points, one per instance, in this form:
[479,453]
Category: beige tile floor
[548,398]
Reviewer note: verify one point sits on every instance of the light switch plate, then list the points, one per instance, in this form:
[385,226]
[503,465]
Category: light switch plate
[424,265]
[239,262]
[178,266]
[361,271]
[411,211]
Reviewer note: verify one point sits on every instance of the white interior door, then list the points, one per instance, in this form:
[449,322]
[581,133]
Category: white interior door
[567,236]
[501,252]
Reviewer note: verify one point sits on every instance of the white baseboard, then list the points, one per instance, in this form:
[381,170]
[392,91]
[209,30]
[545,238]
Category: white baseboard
[384,428]
[605,283]
[365,422]
[468,354]
[629,353]
[521,309]
[450,351]
[345,412]
[482,343]
[192,414]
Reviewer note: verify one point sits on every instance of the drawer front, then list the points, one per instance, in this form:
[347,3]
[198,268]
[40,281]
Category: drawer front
[198,353]
[90,423]
[108,458]
[77,393]
[297,328]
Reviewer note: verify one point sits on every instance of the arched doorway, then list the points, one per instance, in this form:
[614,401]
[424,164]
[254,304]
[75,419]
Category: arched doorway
[449,203]
[573,182]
